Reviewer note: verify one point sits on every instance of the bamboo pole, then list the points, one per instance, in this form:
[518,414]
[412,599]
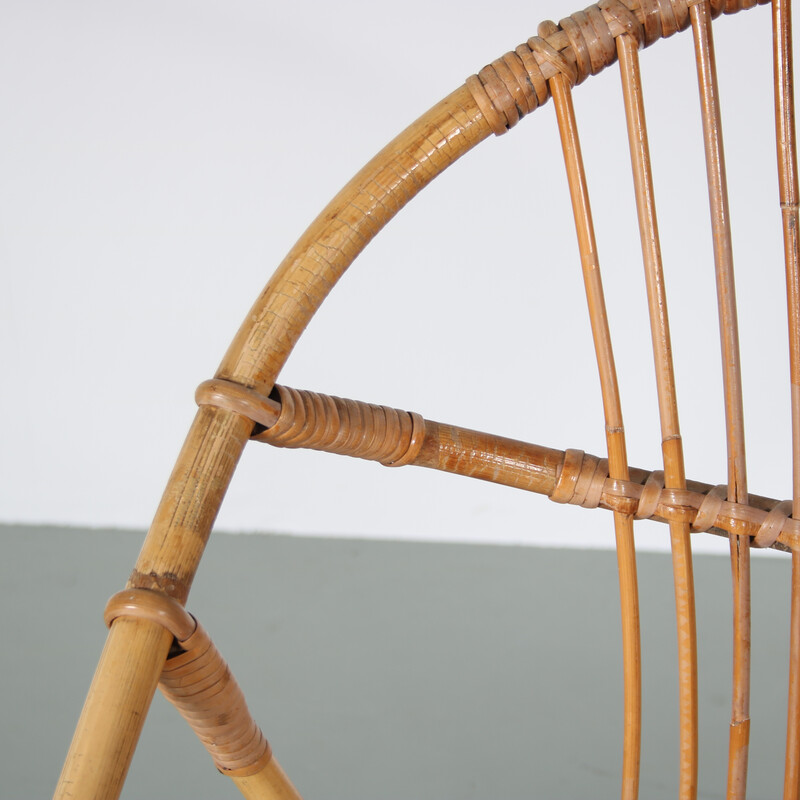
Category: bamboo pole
[786,149]
[674,472]
[397,438]
[343,229]
[734,416]
[135,651]
[126,679]
[615,432]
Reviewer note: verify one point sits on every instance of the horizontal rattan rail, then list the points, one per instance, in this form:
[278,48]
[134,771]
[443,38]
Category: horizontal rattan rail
[396,438]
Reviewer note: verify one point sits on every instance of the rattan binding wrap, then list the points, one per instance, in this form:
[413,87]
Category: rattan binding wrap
[396,438]
[199,683]
[349,428]
[582,44]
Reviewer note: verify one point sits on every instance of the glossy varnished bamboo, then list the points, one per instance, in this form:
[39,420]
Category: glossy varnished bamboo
[734,417]
[786,149]
[615,432]
[342,230]
[672,450]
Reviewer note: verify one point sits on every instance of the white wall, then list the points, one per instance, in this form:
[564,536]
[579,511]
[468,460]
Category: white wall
[151,149]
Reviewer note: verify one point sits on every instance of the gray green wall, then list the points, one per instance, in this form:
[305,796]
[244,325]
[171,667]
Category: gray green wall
[389,670]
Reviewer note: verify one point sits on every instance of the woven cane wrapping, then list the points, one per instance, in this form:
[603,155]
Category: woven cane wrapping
[583,480]
[199,684]
[347,427]
[582,44]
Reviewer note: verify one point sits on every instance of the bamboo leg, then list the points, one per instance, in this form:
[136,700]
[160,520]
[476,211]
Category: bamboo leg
[135,652]
[198,682]
[114,712]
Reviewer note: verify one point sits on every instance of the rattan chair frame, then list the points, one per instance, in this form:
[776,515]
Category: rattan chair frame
[153,640]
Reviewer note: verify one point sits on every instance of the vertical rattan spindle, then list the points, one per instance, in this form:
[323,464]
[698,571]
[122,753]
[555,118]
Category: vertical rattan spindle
[615,433]
[788,193]
[729,335]
[671,444]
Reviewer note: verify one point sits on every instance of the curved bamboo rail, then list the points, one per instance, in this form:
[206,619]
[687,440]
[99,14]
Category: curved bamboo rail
[303,419]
